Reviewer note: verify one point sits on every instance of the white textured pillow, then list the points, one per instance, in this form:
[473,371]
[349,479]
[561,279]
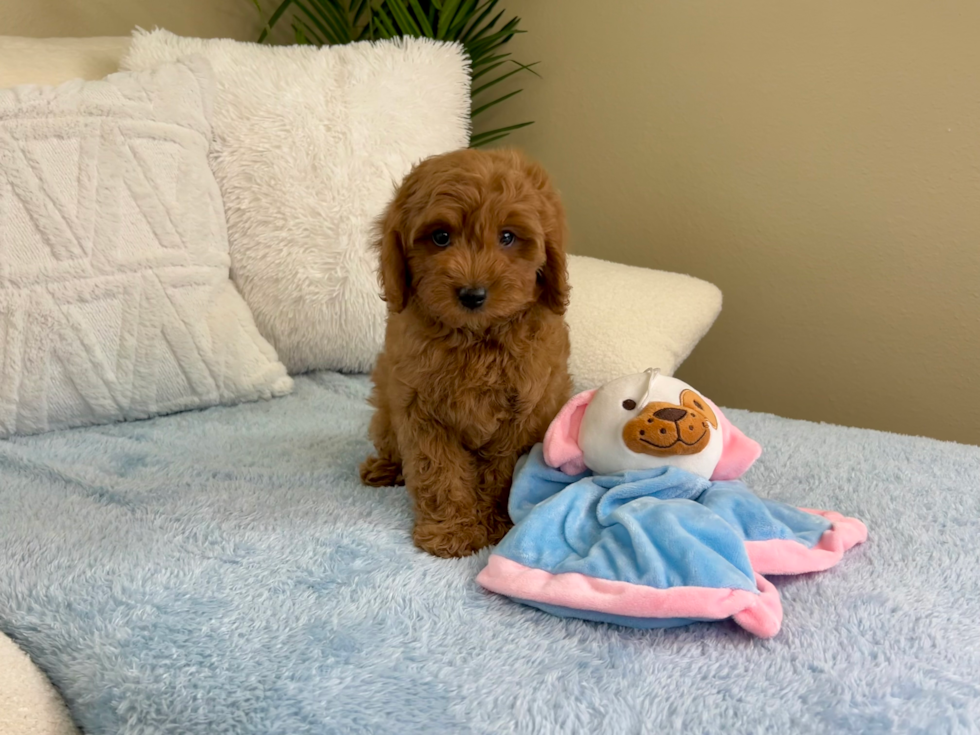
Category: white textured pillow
[57,60]
[311,143]
[115,296]
[625,319]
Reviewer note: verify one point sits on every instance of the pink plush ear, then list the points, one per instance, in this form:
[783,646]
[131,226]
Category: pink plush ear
[738,452]
[561,449]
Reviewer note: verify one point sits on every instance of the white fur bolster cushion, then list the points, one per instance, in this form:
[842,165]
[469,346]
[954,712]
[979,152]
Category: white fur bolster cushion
[625,319]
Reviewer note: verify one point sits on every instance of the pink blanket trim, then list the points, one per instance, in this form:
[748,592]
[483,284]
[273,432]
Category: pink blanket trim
[782,556]
[760,613]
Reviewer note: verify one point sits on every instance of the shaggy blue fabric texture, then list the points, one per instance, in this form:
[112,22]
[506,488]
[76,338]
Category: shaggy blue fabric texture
[224,572]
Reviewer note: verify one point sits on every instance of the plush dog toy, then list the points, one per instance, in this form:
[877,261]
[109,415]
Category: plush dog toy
[631,512]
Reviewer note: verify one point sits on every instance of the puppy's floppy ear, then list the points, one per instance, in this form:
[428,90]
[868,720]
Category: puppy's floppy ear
[393,274]
[553,275]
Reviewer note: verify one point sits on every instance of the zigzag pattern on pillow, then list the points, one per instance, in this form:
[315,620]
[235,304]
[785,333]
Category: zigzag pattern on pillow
[115,297]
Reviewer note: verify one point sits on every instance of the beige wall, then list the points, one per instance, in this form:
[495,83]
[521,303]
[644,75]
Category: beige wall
[820,162]
[206,18]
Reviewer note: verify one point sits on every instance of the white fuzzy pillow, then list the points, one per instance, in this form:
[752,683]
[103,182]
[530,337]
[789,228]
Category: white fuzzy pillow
[624,319]
[311,143]
[115,296]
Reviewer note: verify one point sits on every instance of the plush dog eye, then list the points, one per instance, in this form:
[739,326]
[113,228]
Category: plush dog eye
[629,404]
[440,238]
[507,238]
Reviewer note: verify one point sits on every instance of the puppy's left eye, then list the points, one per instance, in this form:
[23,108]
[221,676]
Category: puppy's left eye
[507,238]
[629,404]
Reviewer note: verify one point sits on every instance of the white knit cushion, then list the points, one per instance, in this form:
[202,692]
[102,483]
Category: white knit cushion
[625,319]
[311,144]
[57,60]
[115,296]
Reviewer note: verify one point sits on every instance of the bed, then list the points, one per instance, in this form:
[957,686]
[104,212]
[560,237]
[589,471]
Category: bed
[223,571]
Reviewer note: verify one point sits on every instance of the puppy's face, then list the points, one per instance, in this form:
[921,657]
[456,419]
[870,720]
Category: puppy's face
[474,238]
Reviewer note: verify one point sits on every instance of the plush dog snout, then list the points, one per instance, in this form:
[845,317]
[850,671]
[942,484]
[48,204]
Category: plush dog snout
[663,429]
[472,298]
[671,414]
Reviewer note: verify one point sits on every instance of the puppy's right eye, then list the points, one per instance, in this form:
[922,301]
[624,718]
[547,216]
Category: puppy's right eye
[629,404]
[440,238]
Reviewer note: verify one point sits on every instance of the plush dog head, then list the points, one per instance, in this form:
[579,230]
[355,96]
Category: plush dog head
[473,238]
[645,421]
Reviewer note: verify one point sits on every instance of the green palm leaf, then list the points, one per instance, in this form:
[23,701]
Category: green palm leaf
[423,20]
[338,18]
[487,9]
[463,15]
[403,18]
[502,77]
[317,20]
[491,135]
[488,105]
[304,34]
[274,18]
[357,11]
[446,15]
[484,69]
[385,23]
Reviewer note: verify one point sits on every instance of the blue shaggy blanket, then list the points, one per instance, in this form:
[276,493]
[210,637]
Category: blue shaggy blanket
[224,572]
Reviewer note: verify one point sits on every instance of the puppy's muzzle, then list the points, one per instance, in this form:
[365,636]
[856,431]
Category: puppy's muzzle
[472,298]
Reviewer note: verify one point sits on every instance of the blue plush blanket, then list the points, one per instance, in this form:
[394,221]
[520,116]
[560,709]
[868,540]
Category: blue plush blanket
[224,572]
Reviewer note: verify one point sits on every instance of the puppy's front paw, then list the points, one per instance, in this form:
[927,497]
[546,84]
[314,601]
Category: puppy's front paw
[451,539]
[379,472]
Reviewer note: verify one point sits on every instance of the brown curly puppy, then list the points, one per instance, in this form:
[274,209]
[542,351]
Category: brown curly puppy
[474,366]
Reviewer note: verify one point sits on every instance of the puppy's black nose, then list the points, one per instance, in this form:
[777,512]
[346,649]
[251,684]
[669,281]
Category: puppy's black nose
[671,414]
[472,298]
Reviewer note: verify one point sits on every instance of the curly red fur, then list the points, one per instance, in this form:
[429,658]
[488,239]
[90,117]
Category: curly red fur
[460,394]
